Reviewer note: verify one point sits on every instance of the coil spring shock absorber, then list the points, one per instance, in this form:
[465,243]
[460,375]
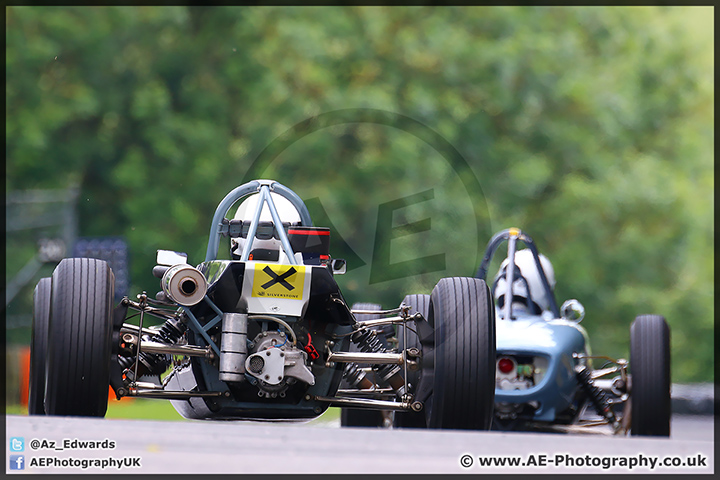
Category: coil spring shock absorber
[598,398]
[156,363]
[355,377]
[368,342]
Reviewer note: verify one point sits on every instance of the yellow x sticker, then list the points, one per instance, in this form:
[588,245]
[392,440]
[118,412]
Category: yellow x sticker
[278,281]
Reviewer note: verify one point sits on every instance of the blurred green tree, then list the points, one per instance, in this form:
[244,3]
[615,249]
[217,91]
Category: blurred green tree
[590,128]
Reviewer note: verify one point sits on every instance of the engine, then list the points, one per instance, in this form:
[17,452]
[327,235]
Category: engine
[271,360]
[273,364]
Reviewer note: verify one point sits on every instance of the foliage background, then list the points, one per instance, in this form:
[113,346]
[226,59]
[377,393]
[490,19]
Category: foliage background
[591,128]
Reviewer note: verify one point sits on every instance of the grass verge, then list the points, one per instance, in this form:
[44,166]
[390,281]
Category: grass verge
[149,409]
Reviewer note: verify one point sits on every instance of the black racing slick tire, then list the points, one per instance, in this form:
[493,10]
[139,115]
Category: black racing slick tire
[650,376]
[80,337]
[357,417]
[38,346]
[418,304]
[463,316]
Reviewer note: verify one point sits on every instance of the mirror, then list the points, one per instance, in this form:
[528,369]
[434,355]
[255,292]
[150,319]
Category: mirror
[170,258]
[572,310]
[339,266]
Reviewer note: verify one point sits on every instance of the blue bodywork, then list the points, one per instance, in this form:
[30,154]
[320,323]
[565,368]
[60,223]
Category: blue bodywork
[555,340]
[536,342]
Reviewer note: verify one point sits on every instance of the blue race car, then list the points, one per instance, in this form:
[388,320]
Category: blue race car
[545,378]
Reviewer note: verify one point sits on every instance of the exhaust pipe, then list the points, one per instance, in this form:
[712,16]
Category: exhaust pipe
[184,285]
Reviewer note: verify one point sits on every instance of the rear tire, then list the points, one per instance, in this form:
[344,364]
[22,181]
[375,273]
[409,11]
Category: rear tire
[38,346]
[463,316]
[421,304]
[360,417]
[80,337]
[650,376]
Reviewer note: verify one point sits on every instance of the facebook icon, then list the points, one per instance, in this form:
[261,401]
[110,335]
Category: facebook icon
[17,462]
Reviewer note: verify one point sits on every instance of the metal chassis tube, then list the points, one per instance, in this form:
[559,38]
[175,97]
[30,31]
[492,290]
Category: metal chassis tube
[370,403]
[362,357]
[171,395]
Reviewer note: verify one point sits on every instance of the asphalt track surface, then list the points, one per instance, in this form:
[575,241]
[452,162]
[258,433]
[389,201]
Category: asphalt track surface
[199,447]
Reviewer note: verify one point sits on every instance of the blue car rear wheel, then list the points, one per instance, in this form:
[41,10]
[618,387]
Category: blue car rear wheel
[650,376]
[421,304]
[362,417]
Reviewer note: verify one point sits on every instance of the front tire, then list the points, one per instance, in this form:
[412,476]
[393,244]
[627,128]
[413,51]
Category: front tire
[80,337]
[38,346]
[463,316]
[650,376]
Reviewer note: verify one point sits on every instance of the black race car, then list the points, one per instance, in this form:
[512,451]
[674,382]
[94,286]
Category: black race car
[264,335]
